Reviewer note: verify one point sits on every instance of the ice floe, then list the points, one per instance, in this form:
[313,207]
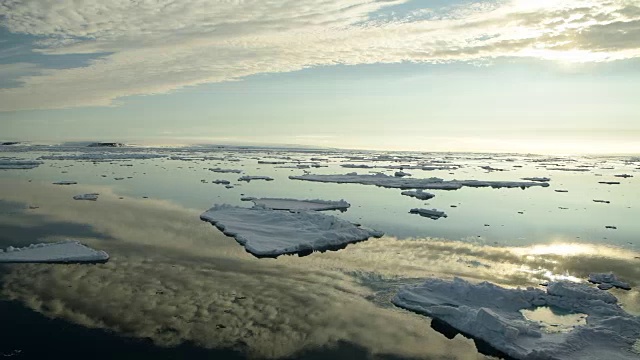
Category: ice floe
[106,156]
[65,182]
[387,181]
[60,252]
[231,171]
[539,179]
[92,197]
[299,205]
[625,176]
[419,194]
[602,201]
[248,178]
[221,182]
[606,281]
[609,182]
[401,174]
[492,314]
[19,164]
[429,213]
[271,233]
[568,169]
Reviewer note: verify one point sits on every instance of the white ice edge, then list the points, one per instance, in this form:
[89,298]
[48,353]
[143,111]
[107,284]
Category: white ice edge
[60,252]
[492,313]
[270,233]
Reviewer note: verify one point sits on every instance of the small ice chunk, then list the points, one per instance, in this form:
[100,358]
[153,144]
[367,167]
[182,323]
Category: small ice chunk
[222,182]
[609,182]
[60,252]
[430,213]
[602,201]
[91,196]
[561,191]
[608,279]
[418,194]
[623,176]
[401,174]
[271,233]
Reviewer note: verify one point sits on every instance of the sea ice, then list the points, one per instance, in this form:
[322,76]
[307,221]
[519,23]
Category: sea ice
[602,201]
[419,194]
[219,170]
[60,252]
[100,156]
[299,205]
[539,179]
[430,213]
[249,178]
[92,197]
[623,176]
[387,181]
[19,164]
[65,182]
[608,279]
[401,174]
[609,182]
[271,233]
[568,169]
[492,314]
[221,182]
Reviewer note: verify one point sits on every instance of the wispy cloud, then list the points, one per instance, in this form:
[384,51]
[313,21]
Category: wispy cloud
[159,46]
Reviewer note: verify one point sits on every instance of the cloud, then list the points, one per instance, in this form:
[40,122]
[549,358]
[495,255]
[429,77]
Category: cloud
[156,47]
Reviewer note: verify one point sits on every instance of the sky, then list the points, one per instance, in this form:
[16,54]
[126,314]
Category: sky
[545,76]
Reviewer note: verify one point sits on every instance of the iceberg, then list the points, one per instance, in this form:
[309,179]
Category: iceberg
[387,181]
[298,205]
[492,314]
[418,194]
[430,213]
[271,233]
[60,252]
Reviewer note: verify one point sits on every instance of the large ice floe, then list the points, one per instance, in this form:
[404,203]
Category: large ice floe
[491,314]
[387,181]
[271,233]
[19,164]
[300,205]
[60,252]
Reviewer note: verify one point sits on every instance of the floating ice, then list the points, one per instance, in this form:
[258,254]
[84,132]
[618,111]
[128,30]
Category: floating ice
[19,164]
[602,201]
[606,281]
[561,190]
[539,179]
[568,169]
[271,233]
[248,178]
[430,213]
[623,176]
[65,182]
[387,181]
[401,174]
[222,182]
[356,166]
[609,182]
[60,252]
[492,314]
[92,197]
[299,205]
[419,194]
[103,156]
[219,170]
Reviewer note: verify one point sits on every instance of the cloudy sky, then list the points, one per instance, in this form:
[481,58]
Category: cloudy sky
[484,75]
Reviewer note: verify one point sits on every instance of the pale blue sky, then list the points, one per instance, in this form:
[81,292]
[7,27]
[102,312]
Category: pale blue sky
[417,75]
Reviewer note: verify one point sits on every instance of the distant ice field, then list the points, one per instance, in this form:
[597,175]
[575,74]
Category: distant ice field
[502,216]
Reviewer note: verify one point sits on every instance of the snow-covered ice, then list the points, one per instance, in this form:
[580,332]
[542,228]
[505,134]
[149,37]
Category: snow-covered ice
[299,205]
[430,213]
[248,178]
[270,233]
[92,197]
[606,281]
[384,180]
[491,313]
[419,194]
[60,252]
